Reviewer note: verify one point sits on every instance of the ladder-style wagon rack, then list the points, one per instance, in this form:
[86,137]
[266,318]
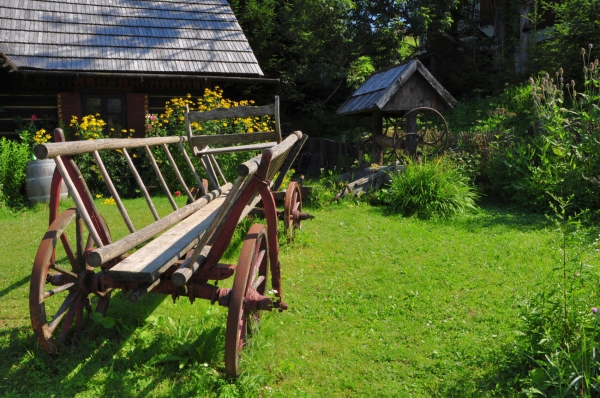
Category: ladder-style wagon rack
[178,254]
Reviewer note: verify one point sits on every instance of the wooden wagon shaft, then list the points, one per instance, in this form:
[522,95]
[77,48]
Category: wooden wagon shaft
[113,250]
[50,150]
[369,182]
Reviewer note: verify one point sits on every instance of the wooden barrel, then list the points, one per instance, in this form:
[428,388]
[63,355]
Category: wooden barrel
[39,180]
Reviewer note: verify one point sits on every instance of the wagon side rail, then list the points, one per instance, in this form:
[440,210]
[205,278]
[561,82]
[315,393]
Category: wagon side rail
[205,147]
[68,171]
[254,182]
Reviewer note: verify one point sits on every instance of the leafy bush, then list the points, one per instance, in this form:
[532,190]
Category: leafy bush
[435,188]
[13,159]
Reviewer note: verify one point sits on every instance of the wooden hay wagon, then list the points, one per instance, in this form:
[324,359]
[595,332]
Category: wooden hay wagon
[78,265]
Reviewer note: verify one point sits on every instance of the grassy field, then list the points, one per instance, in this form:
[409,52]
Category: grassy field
[379,306]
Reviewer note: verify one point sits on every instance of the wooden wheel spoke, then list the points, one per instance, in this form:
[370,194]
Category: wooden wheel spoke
[69,251]
[297,205]
[63,270]
[88,305]
[61,311]
[256,264]
[257,282]
[79,316]
[89,243]
[58,290]
[44,287]
[68,320]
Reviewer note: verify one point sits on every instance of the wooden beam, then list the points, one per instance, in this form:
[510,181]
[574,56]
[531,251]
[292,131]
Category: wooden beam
[115,249]
[50,150]
[200,141]
[229,113]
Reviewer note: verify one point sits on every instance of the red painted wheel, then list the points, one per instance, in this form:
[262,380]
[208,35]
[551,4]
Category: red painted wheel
[292,211]
[61,281]
[250,277]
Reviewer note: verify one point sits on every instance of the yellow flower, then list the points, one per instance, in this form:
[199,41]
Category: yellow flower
[225,124]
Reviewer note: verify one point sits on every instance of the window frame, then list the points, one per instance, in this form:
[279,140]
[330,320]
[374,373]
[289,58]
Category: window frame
[104,96]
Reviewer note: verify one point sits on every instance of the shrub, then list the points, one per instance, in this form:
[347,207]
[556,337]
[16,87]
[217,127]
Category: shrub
[434,188]
[13,159]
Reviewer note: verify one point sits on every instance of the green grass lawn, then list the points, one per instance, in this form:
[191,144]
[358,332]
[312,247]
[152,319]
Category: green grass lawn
[379,306]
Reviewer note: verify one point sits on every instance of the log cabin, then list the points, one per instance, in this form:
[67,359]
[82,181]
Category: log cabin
[121,59]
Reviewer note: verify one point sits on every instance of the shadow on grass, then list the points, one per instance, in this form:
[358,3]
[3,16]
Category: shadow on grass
[14,286]
[503,380]
[130,359]
[488,216]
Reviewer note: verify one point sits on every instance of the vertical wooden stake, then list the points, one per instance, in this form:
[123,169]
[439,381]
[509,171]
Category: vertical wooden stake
[377,151]
[412,141]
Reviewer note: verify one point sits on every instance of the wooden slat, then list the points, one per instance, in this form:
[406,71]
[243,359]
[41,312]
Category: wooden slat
[113,191]
[240,148]
[148,263]
[200,141]
[192,264]
[251,165]
[115,249]
[141,185]
[228,113]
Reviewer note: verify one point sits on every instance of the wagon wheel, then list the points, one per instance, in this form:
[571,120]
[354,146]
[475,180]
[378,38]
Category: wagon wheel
[250,278]
[53,312]
[292,211]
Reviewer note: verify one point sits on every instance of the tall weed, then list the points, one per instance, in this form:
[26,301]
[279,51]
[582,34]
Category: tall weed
[560,325]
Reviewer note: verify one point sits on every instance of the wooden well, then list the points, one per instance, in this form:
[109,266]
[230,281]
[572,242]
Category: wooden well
[393,92]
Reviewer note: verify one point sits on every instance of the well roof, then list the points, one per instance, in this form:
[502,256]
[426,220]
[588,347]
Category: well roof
[378,89]
[164,36]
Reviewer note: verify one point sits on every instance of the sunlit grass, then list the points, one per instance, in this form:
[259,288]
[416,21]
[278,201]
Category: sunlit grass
[379,306]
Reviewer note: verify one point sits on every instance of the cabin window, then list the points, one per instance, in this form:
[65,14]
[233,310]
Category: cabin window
[110,107]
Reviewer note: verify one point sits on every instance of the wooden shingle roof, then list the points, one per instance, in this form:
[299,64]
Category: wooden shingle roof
[131,36]
[381,88]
